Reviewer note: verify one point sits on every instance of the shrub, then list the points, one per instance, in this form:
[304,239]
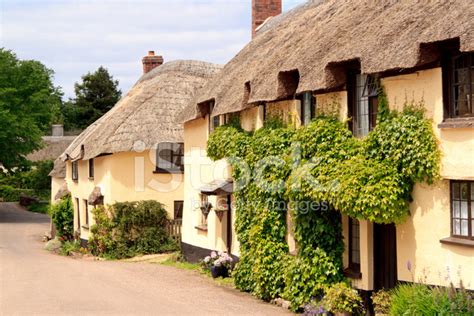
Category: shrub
[127,229]
[69,247]
[9,193]
[62,215]
[381,301]
[40,207]
[308,274]
[340,298]
[420,299]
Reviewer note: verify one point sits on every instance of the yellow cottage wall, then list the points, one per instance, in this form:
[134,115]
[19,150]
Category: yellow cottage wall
[418,239]
[126,176]
[199,170]
[56,184]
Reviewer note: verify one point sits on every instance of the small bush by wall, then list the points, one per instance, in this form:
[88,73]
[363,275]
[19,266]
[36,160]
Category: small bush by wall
[127,229]
[62,215]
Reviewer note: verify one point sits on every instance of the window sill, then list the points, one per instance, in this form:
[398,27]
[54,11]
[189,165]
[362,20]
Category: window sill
[353,274]
[163,171]
[201,228]
[75,180]
[461,122]
[85,227]
[91,178]
[458,241]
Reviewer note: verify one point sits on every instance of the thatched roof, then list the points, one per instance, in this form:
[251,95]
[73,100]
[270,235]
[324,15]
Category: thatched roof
[53,147]
[316,39]
[59,169]
[147,114]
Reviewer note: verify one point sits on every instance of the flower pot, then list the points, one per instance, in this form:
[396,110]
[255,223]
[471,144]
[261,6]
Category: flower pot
[215,271]
[219,272]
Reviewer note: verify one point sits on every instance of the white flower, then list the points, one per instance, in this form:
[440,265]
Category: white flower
[213,255]
[207,259]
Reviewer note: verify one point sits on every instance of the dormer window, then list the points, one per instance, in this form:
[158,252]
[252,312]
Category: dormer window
[170,158]
[458,73]
[363,103]
[214,121]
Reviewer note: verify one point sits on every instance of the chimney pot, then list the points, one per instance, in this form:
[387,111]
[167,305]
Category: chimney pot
[151,61]
[262,10]
[57,130]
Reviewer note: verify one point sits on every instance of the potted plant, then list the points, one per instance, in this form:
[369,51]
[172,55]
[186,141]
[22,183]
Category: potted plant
[219,263]
[206,208]
[220,213]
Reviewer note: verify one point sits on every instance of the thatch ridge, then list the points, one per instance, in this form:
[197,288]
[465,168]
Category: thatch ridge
[146,115]
[318,37]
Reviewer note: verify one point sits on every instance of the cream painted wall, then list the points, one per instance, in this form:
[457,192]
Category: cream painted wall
[126,176]
[199,170]
[418,239]
[56,184]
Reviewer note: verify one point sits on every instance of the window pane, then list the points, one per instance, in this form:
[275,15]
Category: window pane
[464,210]
[464,191]
[456,209]
[472,191]
[464,227]
[455,188]
[456,227]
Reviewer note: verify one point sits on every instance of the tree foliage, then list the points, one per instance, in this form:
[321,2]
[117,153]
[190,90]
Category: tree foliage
[28,101]
[96,94]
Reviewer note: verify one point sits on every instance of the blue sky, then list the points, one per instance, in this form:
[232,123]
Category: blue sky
[76,36]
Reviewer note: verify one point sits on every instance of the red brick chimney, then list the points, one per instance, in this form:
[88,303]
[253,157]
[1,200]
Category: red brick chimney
[262,10]
[151,61]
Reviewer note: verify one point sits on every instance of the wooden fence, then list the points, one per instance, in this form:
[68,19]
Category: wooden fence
[174,229]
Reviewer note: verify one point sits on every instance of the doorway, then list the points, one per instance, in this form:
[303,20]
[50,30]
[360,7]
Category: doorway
[385,256]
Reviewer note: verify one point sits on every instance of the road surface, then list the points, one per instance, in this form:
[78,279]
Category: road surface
[34,281]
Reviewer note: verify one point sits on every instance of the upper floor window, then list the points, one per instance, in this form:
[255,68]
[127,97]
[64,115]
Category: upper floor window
[462,209]
[91,168]
[214,121]
[459,85]
[308,108]
[74,171]
[363,103]
[170,158]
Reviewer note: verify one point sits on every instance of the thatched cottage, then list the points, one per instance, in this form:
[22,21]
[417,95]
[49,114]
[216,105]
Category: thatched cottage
[135,151]
[333,52]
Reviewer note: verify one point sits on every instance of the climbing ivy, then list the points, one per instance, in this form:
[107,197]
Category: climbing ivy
[314,173]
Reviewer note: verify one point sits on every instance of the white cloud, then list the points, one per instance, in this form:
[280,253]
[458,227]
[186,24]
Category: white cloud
[75,37]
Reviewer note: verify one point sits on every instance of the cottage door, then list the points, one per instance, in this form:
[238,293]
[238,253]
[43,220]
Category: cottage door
[385,256]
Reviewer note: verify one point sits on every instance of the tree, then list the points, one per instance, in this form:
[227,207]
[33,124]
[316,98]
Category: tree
[28,102]
[95,95]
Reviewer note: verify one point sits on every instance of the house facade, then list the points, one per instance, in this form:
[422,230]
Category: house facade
[297,70]
[135,151]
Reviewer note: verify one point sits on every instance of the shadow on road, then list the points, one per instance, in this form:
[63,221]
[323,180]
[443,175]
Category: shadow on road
[13,213]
